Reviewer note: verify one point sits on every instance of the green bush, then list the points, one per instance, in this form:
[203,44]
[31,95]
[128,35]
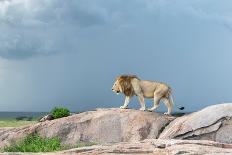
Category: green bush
[35,143]
[19,118]
[60,112]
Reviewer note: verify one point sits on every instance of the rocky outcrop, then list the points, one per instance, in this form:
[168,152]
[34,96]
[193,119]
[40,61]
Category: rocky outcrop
[132,127]
[211,123]
[100,126]
[150,147]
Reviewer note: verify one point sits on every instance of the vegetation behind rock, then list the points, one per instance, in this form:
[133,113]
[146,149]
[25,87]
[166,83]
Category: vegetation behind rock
[60,112]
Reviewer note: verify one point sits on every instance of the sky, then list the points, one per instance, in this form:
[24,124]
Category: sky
[68,53]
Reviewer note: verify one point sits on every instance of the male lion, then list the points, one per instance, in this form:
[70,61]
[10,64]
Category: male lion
[131,85]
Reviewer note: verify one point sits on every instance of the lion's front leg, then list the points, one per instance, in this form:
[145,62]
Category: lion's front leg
[142,102]
[127,100]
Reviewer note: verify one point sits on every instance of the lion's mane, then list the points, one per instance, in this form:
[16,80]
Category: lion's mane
[125,84]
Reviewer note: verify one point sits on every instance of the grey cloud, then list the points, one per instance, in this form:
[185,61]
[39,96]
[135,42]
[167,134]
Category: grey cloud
[35,28]
[44,27]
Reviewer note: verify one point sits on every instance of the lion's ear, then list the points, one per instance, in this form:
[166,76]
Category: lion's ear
[118,78]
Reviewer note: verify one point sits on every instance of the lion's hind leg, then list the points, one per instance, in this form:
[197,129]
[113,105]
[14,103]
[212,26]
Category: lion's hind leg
[168,104]
[156,103]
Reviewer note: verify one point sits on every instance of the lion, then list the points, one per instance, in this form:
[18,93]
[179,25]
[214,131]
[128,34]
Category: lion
[131,85]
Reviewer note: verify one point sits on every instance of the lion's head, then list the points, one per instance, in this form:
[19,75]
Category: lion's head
[123,85]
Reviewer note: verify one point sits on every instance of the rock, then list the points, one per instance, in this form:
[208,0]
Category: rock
[128,131]
[46,118]
[211,123]
[149,147]
[50,117]
[100,126]
[157,147]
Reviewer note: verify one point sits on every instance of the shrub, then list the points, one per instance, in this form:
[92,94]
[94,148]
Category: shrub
[35,143]
[60,112]
[29,118]
[19,118]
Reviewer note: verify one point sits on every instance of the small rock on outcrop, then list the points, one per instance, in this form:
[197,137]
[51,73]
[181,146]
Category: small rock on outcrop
[46,118]
[211,123]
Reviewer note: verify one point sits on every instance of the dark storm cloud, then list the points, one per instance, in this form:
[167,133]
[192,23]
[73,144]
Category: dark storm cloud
[43,27]
[34,28]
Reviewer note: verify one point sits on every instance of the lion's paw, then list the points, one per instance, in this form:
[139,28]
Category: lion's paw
[122,107]
[142,109]
[166,113]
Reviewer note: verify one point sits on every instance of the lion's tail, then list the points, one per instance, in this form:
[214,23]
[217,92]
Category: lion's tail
[170,96]
[171,99]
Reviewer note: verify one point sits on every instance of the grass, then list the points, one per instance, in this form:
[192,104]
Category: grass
[35,143]
[15,123]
